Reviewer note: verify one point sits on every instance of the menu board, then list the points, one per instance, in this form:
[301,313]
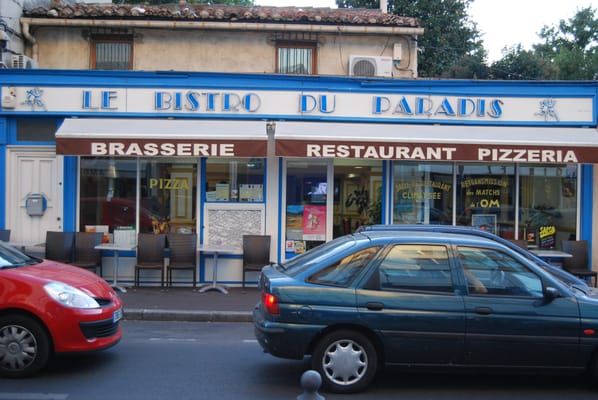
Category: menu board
[225,224]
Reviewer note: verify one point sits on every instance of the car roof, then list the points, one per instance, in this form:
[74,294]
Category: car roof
[425,235]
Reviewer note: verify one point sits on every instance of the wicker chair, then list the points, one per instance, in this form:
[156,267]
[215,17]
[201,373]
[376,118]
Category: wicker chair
[86,256]
[183,255]
[60,246]
[256,253]
[150,254]
[578,265]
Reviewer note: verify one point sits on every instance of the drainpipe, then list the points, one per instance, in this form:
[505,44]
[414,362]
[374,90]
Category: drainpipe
[30,39]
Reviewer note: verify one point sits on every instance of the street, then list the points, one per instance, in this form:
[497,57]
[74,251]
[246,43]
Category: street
[166,360]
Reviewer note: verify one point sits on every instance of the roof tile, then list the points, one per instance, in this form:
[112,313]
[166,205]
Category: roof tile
[196,12]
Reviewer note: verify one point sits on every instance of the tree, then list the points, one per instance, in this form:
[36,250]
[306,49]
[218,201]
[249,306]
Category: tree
[517,63]
[450,38]
[572,46]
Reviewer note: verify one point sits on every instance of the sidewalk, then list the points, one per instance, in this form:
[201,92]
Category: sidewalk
[185,304]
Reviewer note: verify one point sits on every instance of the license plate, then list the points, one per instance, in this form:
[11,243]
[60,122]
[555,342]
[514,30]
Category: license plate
[118,314]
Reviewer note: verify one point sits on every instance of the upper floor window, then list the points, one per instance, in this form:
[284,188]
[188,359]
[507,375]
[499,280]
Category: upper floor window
[296,58]
[112,52]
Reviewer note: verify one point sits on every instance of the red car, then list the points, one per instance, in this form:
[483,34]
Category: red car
[48,307]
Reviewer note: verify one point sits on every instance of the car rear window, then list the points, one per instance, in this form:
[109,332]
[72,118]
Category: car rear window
[342,272]
[298,264]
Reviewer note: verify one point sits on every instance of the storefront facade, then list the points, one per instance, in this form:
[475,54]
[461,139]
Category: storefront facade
[302,159]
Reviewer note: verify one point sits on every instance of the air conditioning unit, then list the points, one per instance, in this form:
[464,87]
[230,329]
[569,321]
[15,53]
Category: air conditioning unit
[20,61]
[370,66]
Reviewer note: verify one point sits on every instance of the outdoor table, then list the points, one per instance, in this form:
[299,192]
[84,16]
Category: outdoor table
[214,250]
[551,256]
[116,248]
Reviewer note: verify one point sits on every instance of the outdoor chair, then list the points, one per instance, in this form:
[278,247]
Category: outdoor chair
[256,253]
[578,265]
[86,256]
[150,255]
[60,246]
[5,235]
[183,254]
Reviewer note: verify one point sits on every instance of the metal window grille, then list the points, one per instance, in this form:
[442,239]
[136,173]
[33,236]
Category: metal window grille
[295,60]
[113,55]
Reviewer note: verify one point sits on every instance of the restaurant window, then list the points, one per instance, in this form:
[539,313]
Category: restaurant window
[112,52]
[235,180]
[296,58]
[168,196]
[548,201]
[107,193]
[486,197]
[306,209]
[357,195]
[423,193]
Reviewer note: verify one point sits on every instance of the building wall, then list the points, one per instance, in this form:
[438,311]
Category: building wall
[10,11]
[219,51]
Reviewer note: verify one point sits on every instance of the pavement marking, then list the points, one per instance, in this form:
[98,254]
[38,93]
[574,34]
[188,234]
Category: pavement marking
[33,396]
[249,340]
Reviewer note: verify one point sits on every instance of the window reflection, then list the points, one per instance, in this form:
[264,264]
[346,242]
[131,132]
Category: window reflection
[107,193]
[423,193]
[357,195]
[168,196]
[486,197]
[548,200]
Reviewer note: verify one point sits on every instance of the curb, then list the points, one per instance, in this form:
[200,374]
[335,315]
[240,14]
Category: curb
[134,314]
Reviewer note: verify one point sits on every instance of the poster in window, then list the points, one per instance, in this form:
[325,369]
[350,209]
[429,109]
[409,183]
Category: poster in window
[314,222]
[546,236]
[294,222]
[485,222]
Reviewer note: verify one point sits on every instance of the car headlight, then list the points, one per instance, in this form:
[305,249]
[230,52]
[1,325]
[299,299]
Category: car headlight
[70,296]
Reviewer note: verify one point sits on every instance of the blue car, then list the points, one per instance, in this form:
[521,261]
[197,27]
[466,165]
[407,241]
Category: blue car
[425,296]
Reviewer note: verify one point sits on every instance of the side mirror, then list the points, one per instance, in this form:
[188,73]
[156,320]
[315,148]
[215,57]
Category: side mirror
[551,293]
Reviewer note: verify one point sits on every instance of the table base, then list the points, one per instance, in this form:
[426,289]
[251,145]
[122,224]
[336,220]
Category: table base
[212,286]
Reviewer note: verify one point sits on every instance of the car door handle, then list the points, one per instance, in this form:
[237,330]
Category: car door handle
[483,310]
[375,306]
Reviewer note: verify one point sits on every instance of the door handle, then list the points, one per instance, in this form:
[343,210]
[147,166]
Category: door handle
[483,310]
[374,306]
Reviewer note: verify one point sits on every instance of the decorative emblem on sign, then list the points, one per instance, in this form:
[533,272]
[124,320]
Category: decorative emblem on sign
[34,99]
[548,110]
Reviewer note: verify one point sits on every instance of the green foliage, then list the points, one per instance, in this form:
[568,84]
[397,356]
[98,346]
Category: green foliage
[572,46]
[451,45]
[450,37]
[517,64]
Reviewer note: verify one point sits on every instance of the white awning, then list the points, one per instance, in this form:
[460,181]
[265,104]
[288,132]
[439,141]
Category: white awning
[161,137]
[437,142]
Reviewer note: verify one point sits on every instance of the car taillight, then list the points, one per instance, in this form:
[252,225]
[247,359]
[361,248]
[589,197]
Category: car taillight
[270,303]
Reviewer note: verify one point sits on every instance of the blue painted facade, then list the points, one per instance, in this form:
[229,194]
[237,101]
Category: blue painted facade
[326,84]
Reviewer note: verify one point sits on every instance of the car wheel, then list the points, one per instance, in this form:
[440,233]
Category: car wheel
[24,346]
[346,360]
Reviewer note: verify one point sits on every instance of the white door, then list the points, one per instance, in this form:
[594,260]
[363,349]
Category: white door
[32,172]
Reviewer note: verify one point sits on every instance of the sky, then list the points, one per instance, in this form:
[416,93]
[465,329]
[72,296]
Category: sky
[503,23]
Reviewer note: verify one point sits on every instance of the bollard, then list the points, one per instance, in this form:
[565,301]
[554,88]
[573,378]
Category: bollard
[310,383]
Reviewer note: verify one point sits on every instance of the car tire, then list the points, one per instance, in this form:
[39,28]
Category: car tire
[346,360]
[24,346]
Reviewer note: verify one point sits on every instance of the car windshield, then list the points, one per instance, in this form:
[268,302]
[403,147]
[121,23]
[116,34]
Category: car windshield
[11,257]
[299,263]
